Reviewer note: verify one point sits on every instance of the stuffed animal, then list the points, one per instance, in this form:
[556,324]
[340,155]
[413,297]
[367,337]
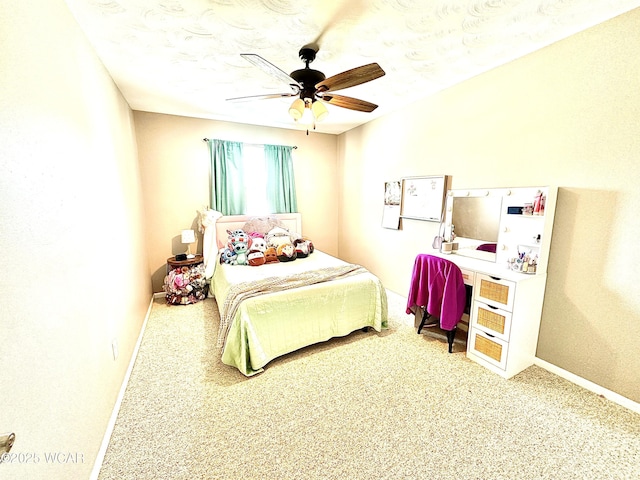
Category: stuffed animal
[255,258]
[303,248]
[311,247]
[238,231]
[277,236]
[286,252]
[240,246]
[236,236]
[270,255]
[239,242]
[259,244]
[227,256]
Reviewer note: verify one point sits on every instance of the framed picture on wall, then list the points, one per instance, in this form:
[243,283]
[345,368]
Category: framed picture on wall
[423,197]
[392,198]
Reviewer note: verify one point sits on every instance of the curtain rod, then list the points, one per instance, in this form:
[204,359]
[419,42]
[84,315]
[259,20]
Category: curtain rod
[255,144]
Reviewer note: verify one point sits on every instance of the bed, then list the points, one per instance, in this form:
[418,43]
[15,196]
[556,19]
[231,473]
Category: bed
[270,310]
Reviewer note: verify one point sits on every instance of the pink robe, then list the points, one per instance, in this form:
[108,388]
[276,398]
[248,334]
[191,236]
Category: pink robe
[437,285]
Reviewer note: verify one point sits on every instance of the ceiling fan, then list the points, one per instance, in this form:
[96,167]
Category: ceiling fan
[312,87]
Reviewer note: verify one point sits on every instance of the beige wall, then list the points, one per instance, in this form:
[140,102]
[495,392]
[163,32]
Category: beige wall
[75,274]
[174,162]
[568,116]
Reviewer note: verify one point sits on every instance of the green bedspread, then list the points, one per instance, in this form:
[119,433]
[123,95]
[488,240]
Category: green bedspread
[269,325]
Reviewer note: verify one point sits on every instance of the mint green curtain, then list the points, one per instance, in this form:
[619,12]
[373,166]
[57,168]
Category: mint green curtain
[227,179]
[281,187]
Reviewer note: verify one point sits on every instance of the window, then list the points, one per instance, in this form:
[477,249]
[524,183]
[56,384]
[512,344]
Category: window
[255,180]
[251,179]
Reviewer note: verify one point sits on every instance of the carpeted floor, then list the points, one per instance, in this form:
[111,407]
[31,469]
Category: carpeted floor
[391,405]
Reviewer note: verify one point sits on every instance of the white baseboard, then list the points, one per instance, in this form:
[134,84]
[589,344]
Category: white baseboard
[593,387]
[116,408]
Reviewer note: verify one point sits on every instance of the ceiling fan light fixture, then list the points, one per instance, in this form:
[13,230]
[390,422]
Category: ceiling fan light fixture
[319,110]
[297,109]
[311,86]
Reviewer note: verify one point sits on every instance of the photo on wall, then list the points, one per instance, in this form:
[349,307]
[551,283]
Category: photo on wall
[392,200]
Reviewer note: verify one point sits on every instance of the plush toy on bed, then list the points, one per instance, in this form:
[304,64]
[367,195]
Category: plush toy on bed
[286,252]
[303,247]
[227,256]
[239,243]
[270,255]
[236,236]
[259,244]
[255,258]
[241,247]
[277,236]
[311,247]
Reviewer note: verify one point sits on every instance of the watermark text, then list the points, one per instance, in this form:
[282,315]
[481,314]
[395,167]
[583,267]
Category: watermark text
[60,458]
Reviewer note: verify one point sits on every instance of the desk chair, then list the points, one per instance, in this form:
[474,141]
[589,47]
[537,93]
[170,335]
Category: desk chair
[437,286]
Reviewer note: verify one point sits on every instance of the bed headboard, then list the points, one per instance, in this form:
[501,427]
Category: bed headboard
[292,222]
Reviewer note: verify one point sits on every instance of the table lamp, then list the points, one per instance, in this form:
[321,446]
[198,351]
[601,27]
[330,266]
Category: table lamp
[188,237]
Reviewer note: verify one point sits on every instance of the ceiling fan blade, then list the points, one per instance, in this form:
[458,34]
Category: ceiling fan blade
[351,78]
[269,68]
[349,102]
[261,97]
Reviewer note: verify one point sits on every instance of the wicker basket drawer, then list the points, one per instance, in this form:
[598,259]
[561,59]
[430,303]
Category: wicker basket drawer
[494,321]
[494,291]
[491,349]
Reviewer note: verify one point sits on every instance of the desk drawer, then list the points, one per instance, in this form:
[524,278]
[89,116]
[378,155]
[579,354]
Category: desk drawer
[491,349]
[468,276]
[491,320]
[494,291]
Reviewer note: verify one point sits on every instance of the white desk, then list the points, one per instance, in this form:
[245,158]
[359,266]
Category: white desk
[505,314]
[506,306]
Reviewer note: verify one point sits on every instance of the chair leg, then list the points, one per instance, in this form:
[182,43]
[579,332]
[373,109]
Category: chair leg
[451,334]
[425,315]
[423,322]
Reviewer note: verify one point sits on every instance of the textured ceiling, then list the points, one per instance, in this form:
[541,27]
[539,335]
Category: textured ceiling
[182,57]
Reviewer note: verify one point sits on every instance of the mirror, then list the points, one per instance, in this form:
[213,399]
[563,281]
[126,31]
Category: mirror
[475,220]
[490,225]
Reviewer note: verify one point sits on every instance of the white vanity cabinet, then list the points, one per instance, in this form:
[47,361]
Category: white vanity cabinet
[504,323]
[506,305]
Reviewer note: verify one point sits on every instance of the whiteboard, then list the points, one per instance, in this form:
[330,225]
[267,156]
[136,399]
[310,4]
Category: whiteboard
[423,197]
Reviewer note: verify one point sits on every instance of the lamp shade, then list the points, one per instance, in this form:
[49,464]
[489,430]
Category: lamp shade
[188,236]
[297,109]
[319,110]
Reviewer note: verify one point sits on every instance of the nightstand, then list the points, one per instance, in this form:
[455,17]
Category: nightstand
[185,282]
